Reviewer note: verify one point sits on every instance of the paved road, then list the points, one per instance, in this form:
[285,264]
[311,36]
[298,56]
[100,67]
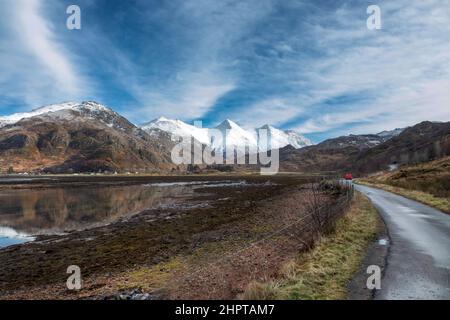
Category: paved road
[418,262]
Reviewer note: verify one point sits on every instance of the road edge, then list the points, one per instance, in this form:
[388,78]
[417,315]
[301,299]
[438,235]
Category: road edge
[377,254]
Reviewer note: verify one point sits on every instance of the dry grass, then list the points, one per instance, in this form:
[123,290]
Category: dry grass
[149,278]
[262,291]
[442,204]
[324,272]
[428,183]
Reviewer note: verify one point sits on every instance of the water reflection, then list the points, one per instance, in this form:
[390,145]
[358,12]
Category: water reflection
[9,237]
[60,209]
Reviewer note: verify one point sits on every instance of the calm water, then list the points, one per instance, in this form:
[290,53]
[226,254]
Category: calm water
[25,213]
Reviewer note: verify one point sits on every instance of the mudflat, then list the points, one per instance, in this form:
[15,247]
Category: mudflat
[217,235]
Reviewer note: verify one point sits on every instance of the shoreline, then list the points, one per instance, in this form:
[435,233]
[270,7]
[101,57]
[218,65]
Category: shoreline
[146,239]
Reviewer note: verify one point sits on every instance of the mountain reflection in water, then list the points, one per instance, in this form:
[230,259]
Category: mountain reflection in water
[60,209]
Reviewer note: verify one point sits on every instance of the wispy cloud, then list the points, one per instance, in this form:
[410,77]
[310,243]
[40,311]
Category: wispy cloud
[402,69]
[37,36]
[192,102]
[206,33]
[35,66]
[309,65]
[272,111]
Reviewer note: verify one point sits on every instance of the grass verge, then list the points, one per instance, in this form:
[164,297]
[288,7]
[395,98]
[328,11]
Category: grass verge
[442,204]
[325,271]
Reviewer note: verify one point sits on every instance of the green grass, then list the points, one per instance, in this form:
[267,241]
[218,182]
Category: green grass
[150,278]
[325,271]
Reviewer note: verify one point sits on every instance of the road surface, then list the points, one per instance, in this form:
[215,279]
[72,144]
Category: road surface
[418,260]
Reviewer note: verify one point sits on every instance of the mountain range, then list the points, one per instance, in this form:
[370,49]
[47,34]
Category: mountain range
[231,134]
[365,154]
[90,137]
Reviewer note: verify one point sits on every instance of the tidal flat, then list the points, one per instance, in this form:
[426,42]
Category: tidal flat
[185,237]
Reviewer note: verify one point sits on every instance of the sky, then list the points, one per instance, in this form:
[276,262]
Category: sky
[311,66]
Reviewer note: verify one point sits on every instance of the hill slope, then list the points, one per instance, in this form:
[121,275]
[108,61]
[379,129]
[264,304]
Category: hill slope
[428,182]
[370,153]
[423,142]
[85,137]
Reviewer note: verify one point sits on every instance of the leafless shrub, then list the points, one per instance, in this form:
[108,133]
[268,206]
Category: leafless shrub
[328,200]
[249,271]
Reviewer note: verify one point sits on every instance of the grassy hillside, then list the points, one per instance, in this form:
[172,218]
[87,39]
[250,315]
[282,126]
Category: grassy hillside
[427,182]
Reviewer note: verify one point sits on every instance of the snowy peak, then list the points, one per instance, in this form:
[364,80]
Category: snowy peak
[50,108]
[270,129]
[281,138]
[160,119]
[16,117]
[297,140]
[88,107]
[232,135]
[228,124]
[177,129]
[391,133]
[227,134]
[74,111]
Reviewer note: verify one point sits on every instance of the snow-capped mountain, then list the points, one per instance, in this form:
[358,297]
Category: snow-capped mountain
[67,111]
[279,138]
[297,140]
[390,133]
[79,137]
[16,117]
[227,133]
[232,136]
[177,129]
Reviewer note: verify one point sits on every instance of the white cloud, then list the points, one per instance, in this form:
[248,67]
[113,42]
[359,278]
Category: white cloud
[274,111]
[35,66]
[213,28]
[194,101]
[36,34]
[402,69]
[294,56]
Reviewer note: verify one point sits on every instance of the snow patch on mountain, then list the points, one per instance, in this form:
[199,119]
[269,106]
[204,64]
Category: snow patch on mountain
[92,108]
[72,111]
[228,133]
[16,117]
[177,129]
[281,138]
[390,133]
[232,136]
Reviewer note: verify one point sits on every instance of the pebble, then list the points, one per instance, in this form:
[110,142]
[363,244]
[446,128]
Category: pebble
[135,294]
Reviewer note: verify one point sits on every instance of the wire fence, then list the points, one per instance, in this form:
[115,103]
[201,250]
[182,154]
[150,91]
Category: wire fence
[327,201]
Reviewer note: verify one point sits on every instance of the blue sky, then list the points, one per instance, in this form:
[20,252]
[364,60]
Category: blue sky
[312,66]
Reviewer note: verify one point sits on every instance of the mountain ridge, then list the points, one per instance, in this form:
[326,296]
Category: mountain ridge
[235,136]
[422,142]
[81,137]
[90,137]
